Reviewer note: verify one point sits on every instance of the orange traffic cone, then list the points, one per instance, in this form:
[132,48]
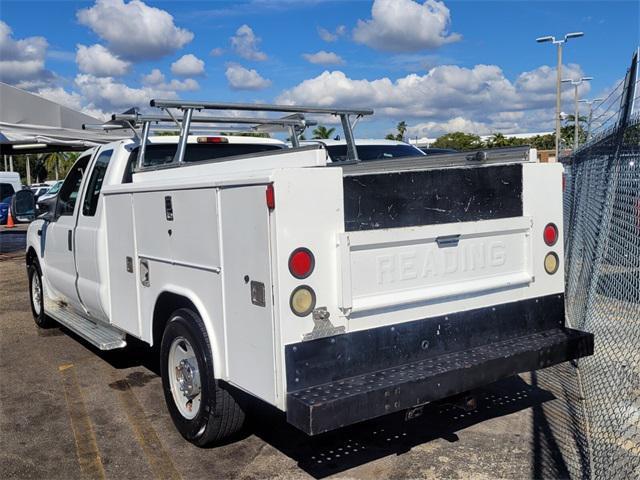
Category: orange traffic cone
[10,223]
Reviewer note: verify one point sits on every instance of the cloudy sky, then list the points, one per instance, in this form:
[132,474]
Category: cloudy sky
[440,66]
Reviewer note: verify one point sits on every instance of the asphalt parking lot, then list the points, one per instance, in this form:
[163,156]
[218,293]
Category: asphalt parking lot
[68,411]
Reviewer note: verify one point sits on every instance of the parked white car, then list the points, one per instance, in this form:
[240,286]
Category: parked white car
[336,292]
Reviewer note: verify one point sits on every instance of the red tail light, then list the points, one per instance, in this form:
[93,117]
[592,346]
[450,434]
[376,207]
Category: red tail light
[550,234]
[301,263]
[271,197]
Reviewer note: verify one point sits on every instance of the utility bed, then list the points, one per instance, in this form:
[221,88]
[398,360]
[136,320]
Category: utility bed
[335,291]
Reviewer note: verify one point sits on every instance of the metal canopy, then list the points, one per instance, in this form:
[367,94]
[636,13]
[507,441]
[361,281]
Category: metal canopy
[30,123]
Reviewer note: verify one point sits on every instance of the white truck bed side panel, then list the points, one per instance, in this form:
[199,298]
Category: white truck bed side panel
[542,199]
[123,268]
[244,221]
[308,213]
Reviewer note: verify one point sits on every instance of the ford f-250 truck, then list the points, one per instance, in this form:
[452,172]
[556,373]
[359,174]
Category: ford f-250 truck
[335,291]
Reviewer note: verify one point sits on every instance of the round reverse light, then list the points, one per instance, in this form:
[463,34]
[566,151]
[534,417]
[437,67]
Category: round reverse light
[551,263]
[550,234]
[303,301]
[301,263]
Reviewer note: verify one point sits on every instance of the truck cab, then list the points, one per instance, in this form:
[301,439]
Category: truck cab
[336,291]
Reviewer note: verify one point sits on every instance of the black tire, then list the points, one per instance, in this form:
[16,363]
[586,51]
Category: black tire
[221,413]
[41,319]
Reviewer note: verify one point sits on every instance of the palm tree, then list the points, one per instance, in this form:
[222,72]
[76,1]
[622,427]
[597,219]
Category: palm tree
[402,129]
[321,132]
[498,140]
[59,162]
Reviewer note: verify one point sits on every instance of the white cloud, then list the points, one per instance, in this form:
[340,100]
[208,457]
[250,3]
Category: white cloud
[329,36]
[156,80]
[245,43]
[22,61]
[241,78]
[446,97]
[107,94]
[406,26]
[323,58]
[187,65]
[457,124]
[216,52]
[99,61]
[153,78]
[134,30]
[186,85]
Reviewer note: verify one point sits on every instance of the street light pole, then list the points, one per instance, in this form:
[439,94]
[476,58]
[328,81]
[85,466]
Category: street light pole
[559,44]
[590,103]
[576,118]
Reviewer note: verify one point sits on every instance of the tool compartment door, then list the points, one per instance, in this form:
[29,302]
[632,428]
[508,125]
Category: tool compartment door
[401,267]
[248,301]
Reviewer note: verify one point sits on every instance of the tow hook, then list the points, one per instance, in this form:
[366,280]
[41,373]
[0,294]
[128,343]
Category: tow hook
[414,412]
[466,401]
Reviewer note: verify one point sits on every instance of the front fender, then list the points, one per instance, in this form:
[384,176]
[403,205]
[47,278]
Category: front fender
[35,240]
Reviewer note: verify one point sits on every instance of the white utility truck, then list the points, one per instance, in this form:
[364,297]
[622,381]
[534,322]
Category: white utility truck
[335,291]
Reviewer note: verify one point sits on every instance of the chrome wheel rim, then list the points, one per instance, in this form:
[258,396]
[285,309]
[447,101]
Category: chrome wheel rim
[36,293]
[184,377]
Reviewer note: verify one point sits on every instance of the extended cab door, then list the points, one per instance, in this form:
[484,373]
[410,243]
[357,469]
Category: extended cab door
[90,241]
[59,261]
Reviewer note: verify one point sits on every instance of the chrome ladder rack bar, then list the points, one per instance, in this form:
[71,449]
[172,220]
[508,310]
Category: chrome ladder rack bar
[258,107]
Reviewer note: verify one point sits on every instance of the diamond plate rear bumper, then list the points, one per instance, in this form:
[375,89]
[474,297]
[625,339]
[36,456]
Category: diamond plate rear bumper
[341,380]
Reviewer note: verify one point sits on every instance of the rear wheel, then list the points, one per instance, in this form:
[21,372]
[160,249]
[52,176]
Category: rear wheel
[203,410]
[36,295]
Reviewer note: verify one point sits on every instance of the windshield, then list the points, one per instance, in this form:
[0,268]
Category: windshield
[338,153]
[56,187]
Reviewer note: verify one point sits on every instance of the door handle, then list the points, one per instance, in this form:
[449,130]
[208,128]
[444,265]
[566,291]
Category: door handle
[69,240]
[448,241]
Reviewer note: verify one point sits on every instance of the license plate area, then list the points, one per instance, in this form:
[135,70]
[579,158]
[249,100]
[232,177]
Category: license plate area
[412,265]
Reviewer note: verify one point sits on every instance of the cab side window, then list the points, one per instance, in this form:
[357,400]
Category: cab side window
[71,186]
[92,196]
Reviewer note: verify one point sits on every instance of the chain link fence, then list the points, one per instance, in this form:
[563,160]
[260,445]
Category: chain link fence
[602,238]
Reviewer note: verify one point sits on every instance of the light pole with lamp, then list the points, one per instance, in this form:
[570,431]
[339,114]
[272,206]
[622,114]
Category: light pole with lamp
[559,43]
[576,119]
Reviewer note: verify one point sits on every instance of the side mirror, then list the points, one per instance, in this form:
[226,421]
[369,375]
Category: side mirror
[47,209]
[23,206]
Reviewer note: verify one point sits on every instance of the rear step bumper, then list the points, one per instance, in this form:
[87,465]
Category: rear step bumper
[327,407]
[392,376]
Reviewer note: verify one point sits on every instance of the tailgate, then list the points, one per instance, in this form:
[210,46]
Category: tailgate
[404,266]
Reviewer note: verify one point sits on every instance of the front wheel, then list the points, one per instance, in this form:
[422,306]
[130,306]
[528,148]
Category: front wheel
[36,295]
[203,410]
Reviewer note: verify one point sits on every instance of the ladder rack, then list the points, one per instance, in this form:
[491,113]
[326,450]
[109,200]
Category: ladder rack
[294,123]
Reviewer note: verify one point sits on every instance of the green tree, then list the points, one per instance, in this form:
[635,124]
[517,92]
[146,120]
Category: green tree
[567,131]
[458,141]
[543,142]
[322,132]
[58,164]
[499,140]
[401,128]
